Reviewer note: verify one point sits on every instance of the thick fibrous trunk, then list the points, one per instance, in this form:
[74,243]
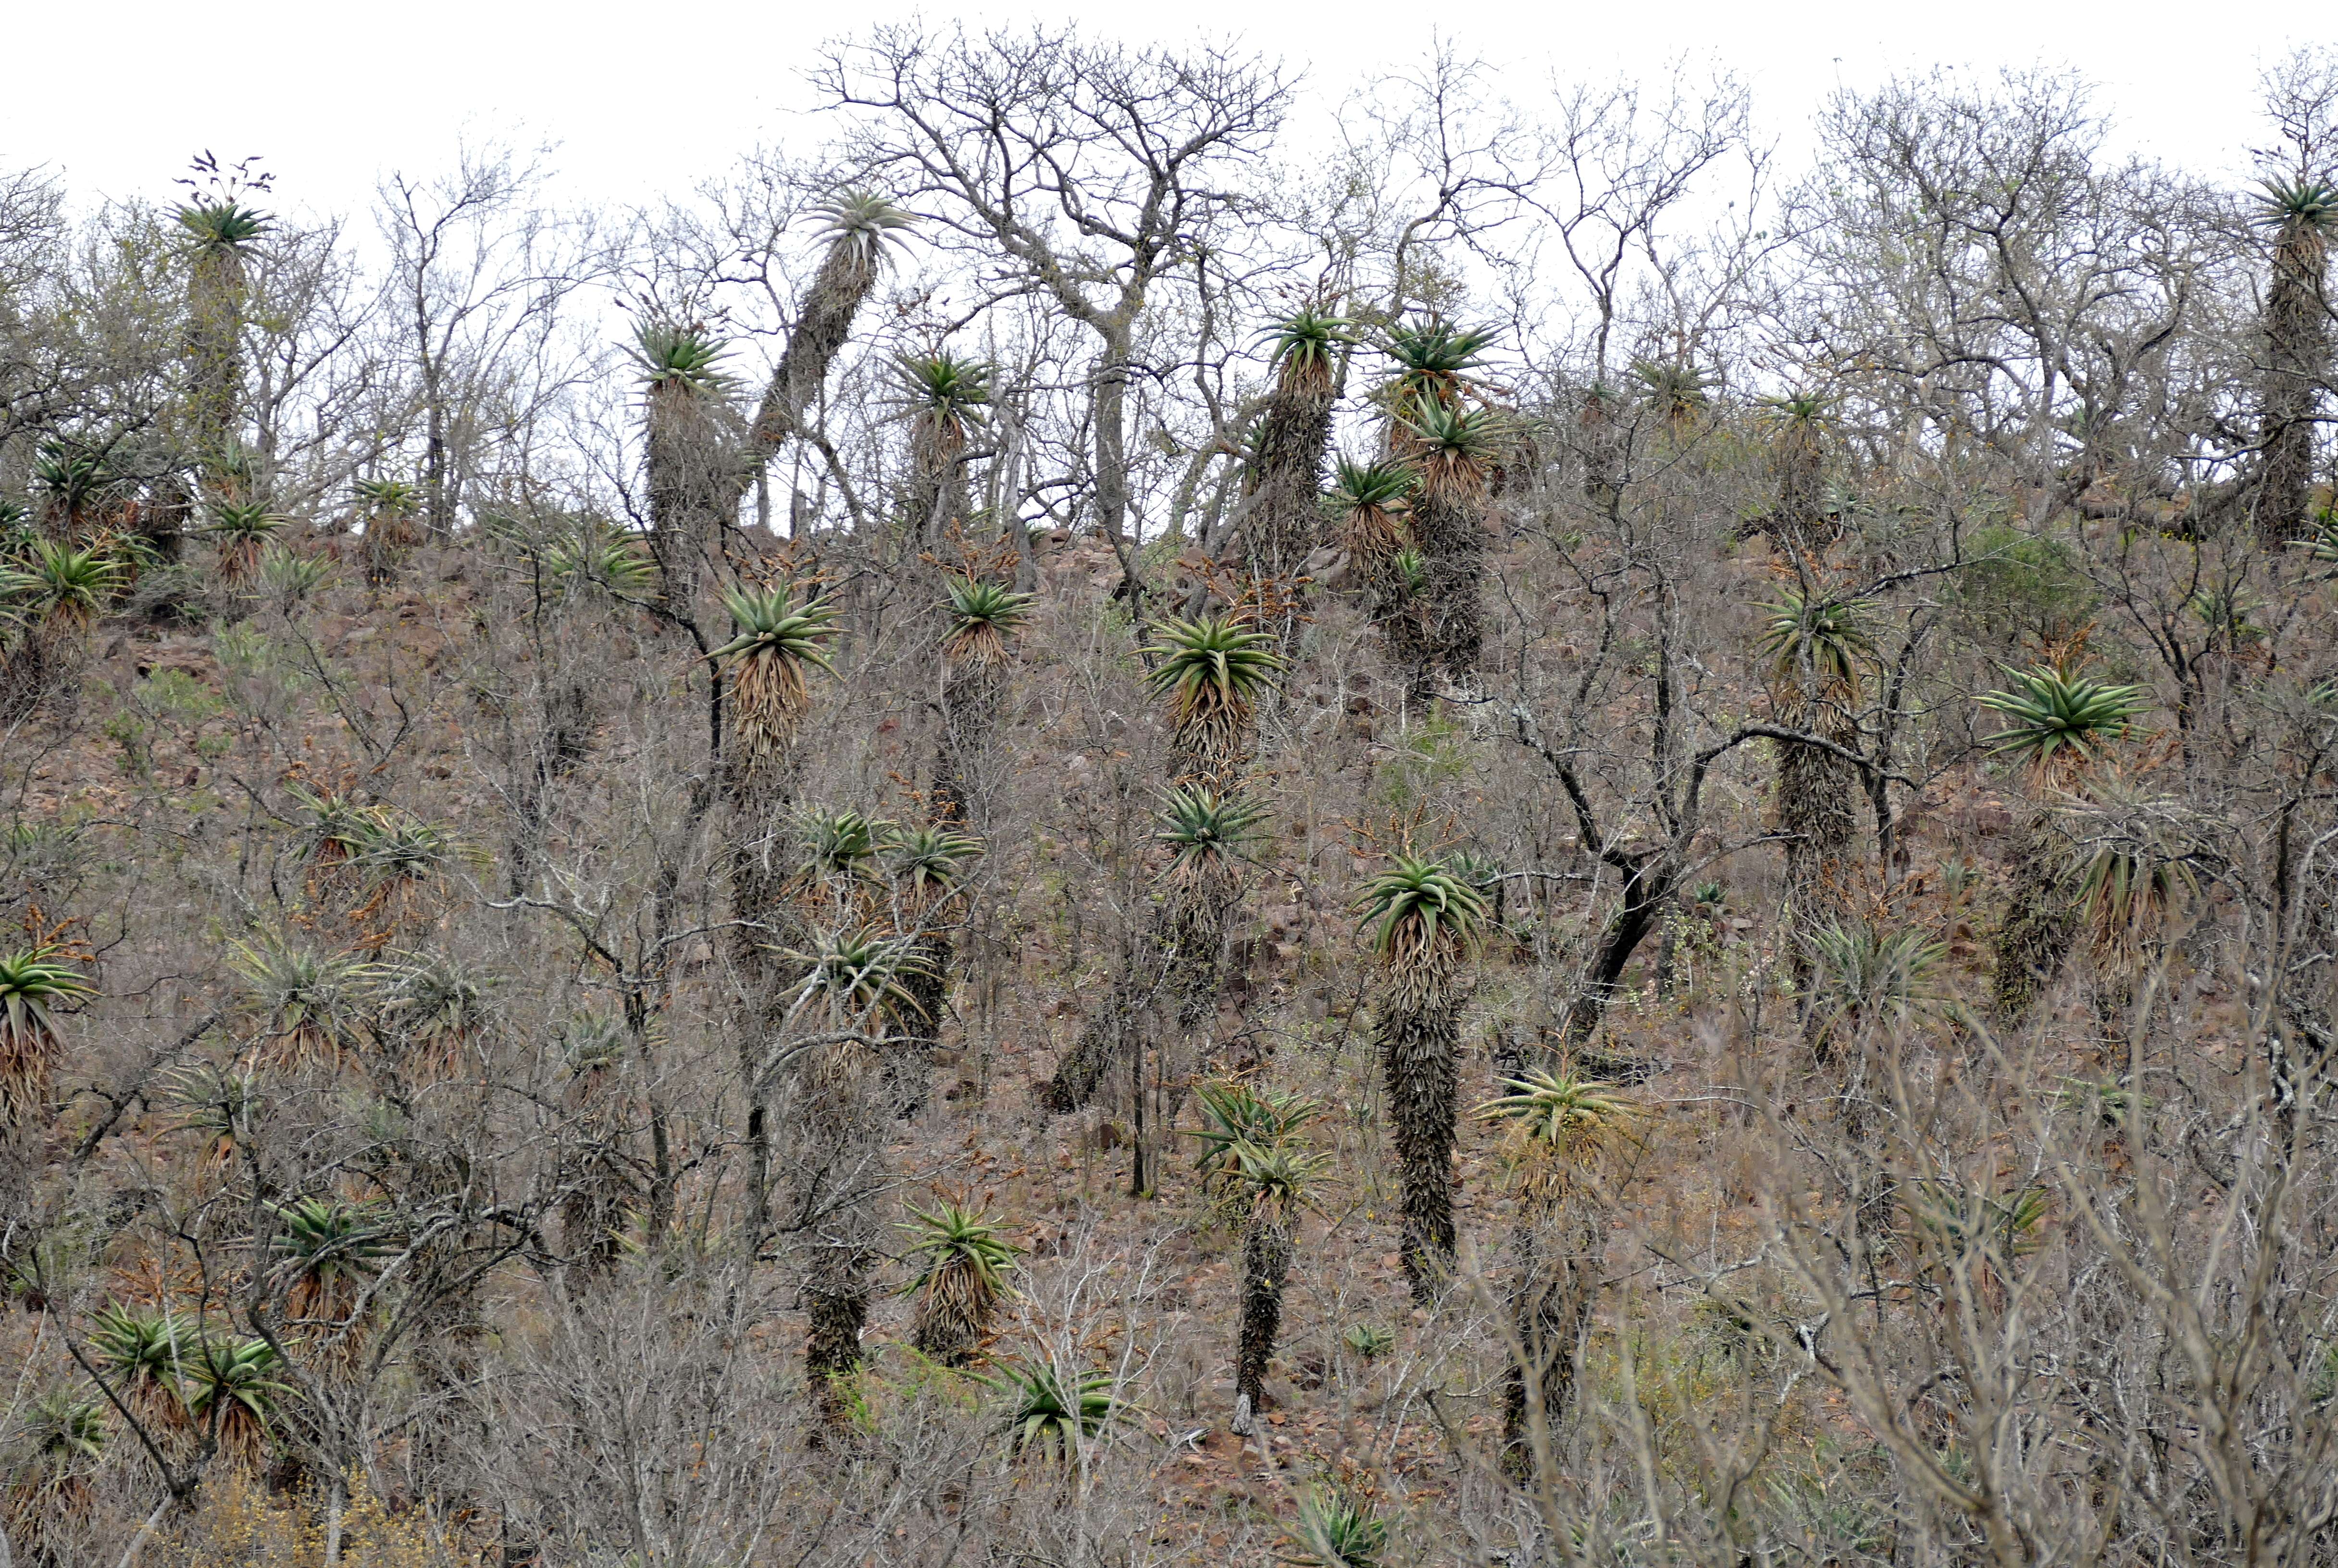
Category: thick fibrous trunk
[927,985]
[215,298]
[388,537]
[438,492]
[1404,618]
[1550,1307]
[841,1173]
[1602,449]
[1266,1261]
[933,495]
[1107,1037]
[1418,1034]
[1199,913]
[2297,364]
[764,926]
[1211,752]
[1801,516]
[972,693]
[2033,941]
[1285,523]
[844,284]
[1451,529]
[1817,797]
[599,1191]
[1815,794]
[953,1319]
[1181,948]
[689,488]
[835,1304]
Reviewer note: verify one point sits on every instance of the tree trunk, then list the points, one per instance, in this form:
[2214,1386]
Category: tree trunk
[216,296]
[688,486]
[438,508]
[1266,1262]
[1549,1310]
[1111,1032]
[1647,888]
[972,693]
[929,986]
[933,492]
[599,1191]
[2297,367]
[1451,529]
[945,1332]
[1200,914]
[766,926]
[1285,523]
[1112,440]
[336,1503]
[1418,1036]
[1602,447]
[842,1172]
[1801,516]
[1817,792]
[836,1303]
[2033,941]
[845,279]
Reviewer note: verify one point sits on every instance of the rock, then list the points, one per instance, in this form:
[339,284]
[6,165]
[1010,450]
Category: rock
[191,661]
[1330,567]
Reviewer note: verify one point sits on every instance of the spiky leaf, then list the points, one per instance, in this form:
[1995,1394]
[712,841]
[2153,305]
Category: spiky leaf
[2058,719]
[1418,910]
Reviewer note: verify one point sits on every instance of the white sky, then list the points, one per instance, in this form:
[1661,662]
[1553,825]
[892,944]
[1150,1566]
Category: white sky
[643,100]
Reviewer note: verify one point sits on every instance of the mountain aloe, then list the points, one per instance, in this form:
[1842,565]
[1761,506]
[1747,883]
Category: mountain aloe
[1562,1130]
[1212,671]
[926,868]
[1422,921]
[1439,426]
[242,532]
[1288,440]
[1818,651]
[1255,1159]
[779,641]
[222,234]
[1052,1412]
[982,620]
[688,450]
[37,984]
[1372,500]
[963,1268]
[387,513]
[2062,725]
[233,1390]
[1335,1528]
[943,397]
[859,227]
[2301,216]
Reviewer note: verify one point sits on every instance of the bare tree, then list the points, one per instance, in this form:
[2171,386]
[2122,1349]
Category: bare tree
[478,278]
[1095,173]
